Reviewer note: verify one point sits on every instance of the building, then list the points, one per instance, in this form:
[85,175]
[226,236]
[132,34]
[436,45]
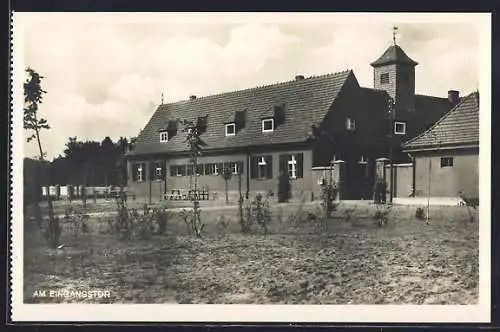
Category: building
[309,127]
[446,156]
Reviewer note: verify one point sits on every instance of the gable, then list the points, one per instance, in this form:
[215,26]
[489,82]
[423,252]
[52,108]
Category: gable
[298,104]
[458,127]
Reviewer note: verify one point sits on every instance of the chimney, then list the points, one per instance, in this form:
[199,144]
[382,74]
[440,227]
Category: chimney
[299,77]
[192,97]
[453,97]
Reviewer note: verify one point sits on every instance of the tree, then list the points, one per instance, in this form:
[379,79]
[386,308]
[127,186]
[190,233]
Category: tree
[227,174]
[33,96]
[196,145]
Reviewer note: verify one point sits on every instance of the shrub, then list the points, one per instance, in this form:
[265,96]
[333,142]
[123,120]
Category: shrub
[329,192]
[317,219]
[349,213]
[161,219]
[192,219]
[380,192]
[258,212]
[382,214]
[284,187]
[469,202]
[420,214]
[223,223]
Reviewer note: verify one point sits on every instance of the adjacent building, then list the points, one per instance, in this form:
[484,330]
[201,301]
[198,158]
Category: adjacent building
[446,156]
[309,127]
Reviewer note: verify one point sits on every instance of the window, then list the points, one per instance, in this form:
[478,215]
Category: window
[267,125]
[158,173]
[164,136]
[178,170]
[384,78]
[293,164]
[199,169]
[216,169]
[261,167]
[235,168]
[350,124]
[363,162]
[292,167]
[140,173]
[230,129]
[447,162]
[209,169]
[399,128]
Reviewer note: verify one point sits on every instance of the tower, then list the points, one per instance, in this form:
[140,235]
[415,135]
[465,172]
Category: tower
[394,72]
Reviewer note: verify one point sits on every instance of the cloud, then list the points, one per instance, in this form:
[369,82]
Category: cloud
[106,79]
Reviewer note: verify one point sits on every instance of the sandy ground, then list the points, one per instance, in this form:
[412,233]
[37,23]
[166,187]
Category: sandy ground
[354,262]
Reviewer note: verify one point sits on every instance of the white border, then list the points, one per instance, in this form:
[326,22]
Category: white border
[255,313]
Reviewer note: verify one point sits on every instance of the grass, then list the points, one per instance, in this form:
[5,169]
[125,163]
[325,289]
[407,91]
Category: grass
[354,262]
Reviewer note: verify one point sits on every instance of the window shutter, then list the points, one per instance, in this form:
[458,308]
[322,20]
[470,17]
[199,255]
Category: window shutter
[173,171]
[300,165]
[134,172]
[163,170]
[283,163]
[269,167]
[150,173]
[253,167]
[240,167]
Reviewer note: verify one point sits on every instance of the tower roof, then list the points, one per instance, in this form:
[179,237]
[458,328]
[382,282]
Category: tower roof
[394,54]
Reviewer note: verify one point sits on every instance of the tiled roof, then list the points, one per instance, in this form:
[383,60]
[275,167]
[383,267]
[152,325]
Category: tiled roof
[394,54]
[306,102]
[458,127]
[428,110]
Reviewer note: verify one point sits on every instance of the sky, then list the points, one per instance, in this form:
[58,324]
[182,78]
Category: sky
[105,77]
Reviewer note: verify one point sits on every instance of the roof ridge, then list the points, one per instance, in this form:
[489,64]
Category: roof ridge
[428,96]
[346,71]
[462,101]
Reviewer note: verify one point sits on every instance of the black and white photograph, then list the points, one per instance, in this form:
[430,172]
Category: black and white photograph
[251,167]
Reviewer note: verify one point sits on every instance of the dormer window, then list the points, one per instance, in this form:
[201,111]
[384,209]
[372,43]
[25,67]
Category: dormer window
[350,124]
[230,129]
[399,128]
[164,136]
[267,125]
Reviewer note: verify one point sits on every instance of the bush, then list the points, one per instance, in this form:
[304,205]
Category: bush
[129,224]
[329,192]
[420,214]
[380,192]
[317,219]
[382,214]
[161,220]
[469,203]
[284,187]
[349,213]
[257,212]
[192,219]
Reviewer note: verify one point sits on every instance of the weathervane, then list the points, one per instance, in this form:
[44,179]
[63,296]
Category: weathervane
[394,31]
[162,98]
